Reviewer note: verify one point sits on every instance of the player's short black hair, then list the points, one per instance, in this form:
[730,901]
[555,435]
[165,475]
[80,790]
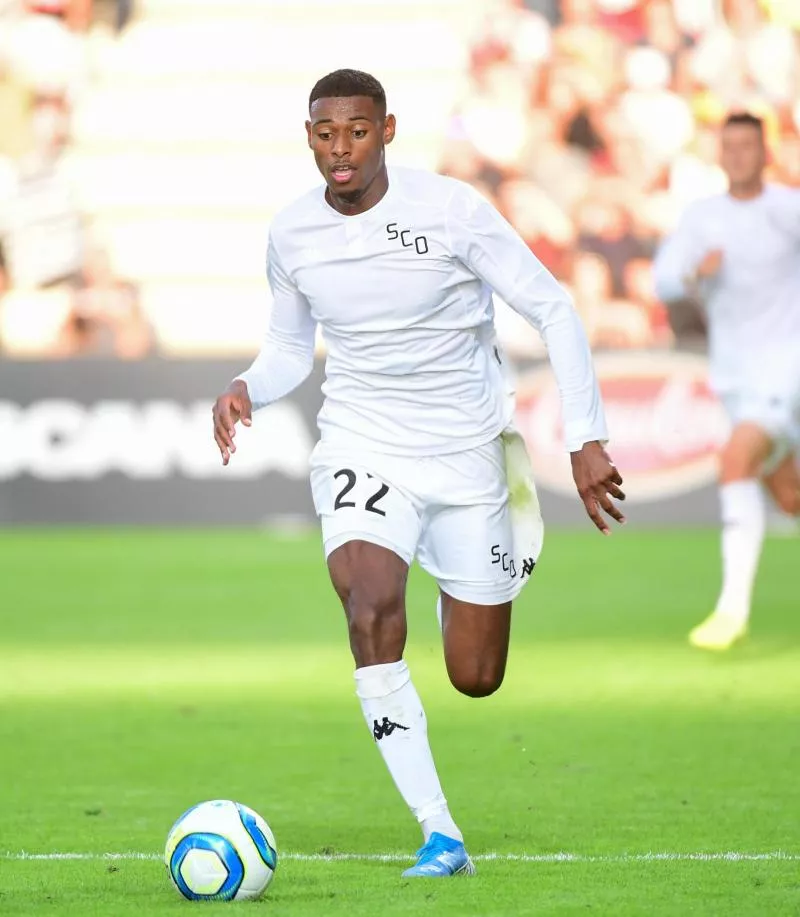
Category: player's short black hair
[343,84]
[745,119]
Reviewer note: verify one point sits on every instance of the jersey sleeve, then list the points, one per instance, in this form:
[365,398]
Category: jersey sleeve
[287,355]
[675,261]
[492,249]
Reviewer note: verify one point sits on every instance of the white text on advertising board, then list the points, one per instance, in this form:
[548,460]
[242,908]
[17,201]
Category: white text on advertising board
[59,439]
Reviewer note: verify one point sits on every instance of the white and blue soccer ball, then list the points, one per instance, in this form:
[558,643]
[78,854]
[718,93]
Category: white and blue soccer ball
[221,851]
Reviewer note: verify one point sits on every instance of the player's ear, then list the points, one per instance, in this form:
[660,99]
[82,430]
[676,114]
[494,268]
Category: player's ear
[308,133]
[389,126]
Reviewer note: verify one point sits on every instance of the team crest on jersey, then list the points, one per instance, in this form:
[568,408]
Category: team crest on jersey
[407,238]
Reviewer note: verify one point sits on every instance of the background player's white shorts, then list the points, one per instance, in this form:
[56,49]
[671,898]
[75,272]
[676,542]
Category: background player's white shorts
[777,413]
[471,518]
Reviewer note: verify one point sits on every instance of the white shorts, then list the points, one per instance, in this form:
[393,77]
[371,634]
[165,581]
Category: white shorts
[777,413]
[471,519]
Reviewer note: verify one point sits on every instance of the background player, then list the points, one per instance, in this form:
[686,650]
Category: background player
[739,254]
[417,455]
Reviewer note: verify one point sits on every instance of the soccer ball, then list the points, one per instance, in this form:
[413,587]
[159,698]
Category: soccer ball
[220,851]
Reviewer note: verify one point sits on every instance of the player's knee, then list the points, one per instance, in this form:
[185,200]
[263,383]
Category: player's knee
[376,620]
[788,499]
[743,455]
[479,682]
[368,616]
[736,464]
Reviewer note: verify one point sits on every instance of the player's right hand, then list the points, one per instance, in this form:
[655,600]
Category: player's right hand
[710,265]
[231,406]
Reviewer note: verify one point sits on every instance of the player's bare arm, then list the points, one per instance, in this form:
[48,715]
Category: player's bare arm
[707,269]
[232,406]
[710,265]
[598,480]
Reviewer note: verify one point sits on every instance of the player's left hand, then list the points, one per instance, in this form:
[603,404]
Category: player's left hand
[597,480]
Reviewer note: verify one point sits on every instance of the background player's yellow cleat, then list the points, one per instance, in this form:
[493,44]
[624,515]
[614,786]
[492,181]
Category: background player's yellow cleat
[717,632]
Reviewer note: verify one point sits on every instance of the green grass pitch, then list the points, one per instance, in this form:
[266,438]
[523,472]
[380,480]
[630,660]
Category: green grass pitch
[144,671]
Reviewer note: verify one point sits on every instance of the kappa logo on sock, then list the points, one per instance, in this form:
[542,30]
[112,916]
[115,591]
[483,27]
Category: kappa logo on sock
[385,728]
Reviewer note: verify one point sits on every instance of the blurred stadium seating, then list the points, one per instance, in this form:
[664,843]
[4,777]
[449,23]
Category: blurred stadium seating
[589,124]
[188,135]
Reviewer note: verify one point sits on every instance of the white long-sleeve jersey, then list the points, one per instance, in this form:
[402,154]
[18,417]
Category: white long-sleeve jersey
[403,296]
[753,304]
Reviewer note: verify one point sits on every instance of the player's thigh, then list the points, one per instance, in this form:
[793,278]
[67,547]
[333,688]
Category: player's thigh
[371,583]
[743,456]
[761,435]
[367,577]
[476,639]
[370,530]
[469,550]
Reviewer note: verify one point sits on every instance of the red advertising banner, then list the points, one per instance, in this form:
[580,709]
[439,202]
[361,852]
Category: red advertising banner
[665,424]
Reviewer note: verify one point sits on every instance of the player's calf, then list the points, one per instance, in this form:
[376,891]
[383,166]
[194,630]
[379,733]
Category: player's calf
[743,524]
[370,581]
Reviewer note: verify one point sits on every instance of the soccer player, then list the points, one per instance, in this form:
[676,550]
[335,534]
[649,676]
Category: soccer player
[739,254]
[417,455]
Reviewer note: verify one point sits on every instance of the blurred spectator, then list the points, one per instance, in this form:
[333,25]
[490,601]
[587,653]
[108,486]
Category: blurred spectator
[661,30]
[15,106]
[589,123]
[44,260]
[786,161]
[75,13]
[597,122]
[105,318]
[660,119]
[592,287]
[550,9]
[640,292]
[45,54]
[605,229]
[41,225]
[3,273]
[114,13]
[544,225]
[744,51]
[695,171]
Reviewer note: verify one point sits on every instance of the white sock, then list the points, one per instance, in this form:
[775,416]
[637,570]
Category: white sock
[743,524]
[394,714]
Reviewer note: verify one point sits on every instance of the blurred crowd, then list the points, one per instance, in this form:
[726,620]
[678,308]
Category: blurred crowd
[590,124]
[46,243]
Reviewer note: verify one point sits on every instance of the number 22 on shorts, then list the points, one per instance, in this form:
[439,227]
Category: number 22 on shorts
[346,480]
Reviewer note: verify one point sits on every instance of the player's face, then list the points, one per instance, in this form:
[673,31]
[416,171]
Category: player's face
[347,137]
[743,155]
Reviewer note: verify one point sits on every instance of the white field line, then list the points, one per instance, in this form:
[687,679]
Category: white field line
[732,856]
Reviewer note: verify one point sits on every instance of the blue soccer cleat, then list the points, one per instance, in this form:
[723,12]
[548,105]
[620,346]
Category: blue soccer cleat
[441,856]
